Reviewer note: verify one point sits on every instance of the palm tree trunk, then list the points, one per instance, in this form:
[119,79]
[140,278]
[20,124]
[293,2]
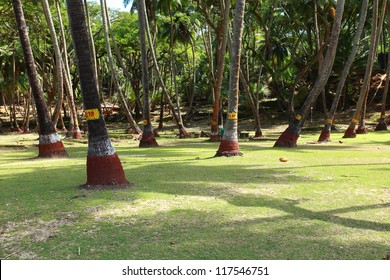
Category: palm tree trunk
[351,132]
[103,165]
[290,136]
[148,139]
[221,52]
[325,134]
[58,61]
[74,123]
[130,119]
[50,144]
[229,143]
[182,131]
[382,120]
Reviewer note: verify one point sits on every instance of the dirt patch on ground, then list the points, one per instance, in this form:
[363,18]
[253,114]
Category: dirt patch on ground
[33,230]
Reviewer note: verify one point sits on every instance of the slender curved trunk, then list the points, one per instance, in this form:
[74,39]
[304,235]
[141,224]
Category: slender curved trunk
[351,131]
[182,131]
[50,144]
[382,120]
[148,139]
[326,131]
[74,130]
[229,143]
[221,52]
[129,116]
[103,165]
[254,104]
[58,62]
[290,136]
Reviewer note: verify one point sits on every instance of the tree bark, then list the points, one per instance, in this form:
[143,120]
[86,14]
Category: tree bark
[50,144]
[103,165]
[130,119]
[148,139]
[290,136]
[229,144]
[222,36]
[326,131]
[351,131]
[74,130]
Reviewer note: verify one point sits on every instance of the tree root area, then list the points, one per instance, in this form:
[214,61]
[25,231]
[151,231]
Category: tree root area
[54,150]
[228,149]
[381,126]
[350,133]
[148,141]
[105,171]
[324,136]
[288,139]
[361,130]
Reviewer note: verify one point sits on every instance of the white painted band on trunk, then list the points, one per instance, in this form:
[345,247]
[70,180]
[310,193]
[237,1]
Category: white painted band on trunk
[49,139]
[101,148]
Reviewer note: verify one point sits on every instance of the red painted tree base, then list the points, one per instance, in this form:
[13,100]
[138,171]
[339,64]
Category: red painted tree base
[350,133]
[77,135]
[258,133]
[183,133]
[324,136]
[228,149]
[105,171]
[381,126]
[54,150]
[361,130]
[148,141]
[288,139]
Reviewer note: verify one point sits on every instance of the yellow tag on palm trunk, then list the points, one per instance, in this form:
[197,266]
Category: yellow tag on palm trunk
[232,116]
[354,120]
[329,121]
[145,122]
[92,114]
[298,117]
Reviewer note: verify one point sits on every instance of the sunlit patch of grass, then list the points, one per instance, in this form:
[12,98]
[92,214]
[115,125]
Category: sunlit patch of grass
[328,201]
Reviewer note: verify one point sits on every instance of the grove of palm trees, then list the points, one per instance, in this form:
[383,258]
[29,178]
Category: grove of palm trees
[195,129]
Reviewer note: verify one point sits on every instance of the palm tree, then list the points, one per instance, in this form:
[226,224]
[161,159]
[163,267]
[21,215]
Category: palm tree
[290,136]
[222,37]
[148,139]
[176,116]
[229,143]
[382,120]
[103,165]
[58,61]
[50,144]
[129,116]
[74,129]
[358,114]
[325,134]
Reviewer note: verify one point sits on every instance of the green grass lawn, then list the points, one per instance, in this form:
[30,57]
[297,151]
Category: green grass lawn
[328,201]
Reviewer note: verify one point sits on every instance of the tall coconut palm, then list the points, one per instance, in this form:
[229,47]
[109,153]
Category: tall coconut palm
[114,73]
[325,134]
[290,136]
[182,130]
[50,144]
[222,37]
[148,139]
[382,120]
[103,165]
[58,61]
[358,114]
[74,129]
[229,143]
